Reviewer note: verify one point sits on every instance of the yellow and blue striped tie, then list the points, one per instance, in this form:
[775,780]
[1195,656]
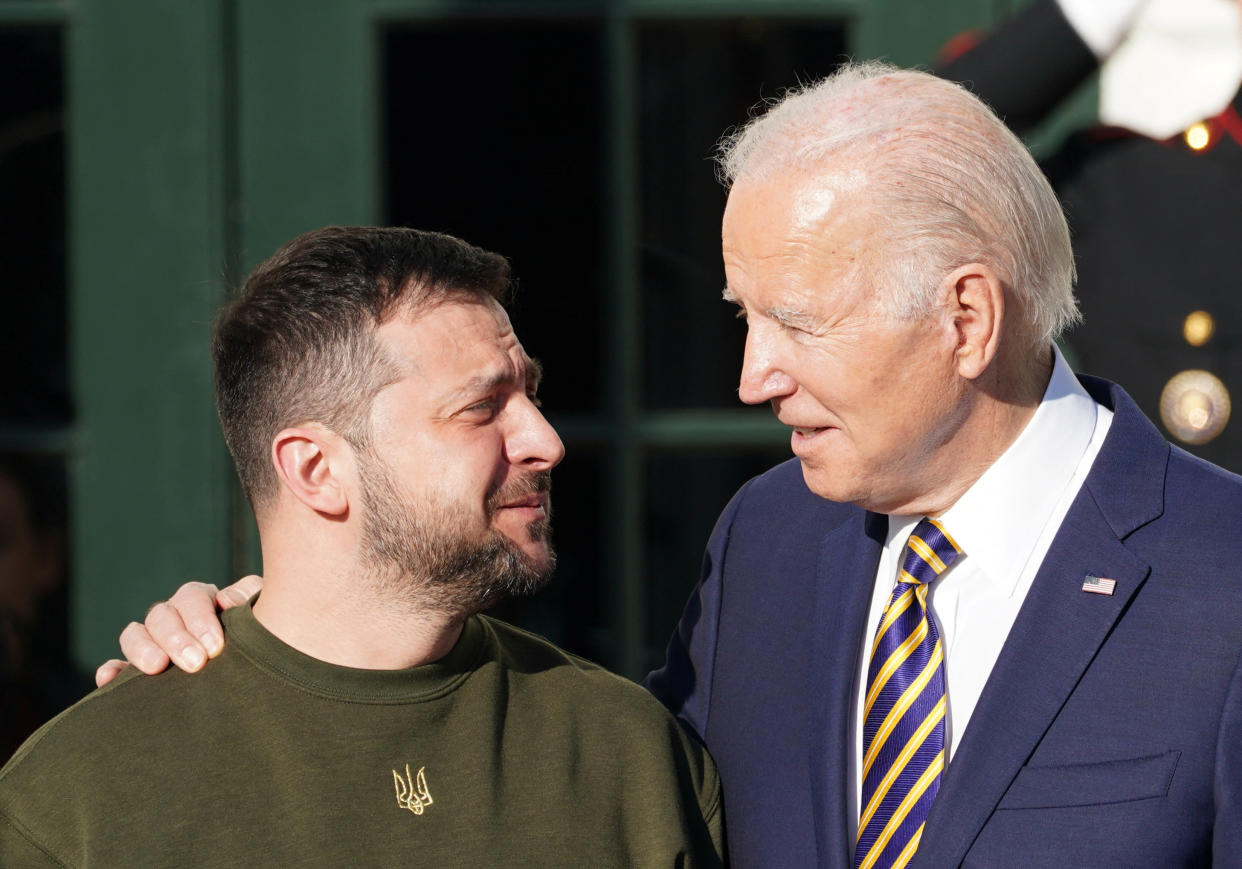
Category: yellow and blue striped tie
[903,724]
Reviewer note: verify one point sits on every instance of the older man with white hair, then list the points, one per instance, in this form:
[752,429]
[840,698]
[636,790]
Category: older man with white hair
[988,617]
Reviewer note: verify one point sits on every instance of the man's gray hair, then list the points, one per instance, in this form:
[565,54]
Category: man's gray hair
[947,179]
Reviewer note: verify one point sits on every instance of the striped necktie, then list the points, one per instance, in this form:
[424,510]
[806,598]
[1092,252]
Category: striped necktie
[903,727]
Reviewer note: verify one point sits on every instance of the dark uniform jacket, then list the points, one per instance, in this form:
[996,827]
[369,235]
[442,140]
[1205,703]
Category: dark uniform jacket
[1156,225]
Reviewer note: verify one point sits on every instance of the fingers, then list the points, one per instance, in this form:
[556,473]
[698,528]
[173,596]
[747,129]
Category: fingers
[142,651]
[184,630]
[108,671]
[239,592]
[186,627]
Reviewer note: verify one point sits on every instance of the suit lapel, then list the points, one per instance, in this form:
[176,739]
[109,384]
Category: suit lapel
[1060,627]
[847,564]
[1058,632]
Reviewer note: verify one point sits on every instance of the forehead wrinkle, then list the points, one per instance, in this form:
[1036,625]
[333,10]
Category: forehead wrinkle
[530,374]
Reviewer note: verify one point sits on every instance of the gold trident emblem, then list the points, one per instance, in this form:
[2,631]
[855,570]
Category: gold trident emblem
[412,791]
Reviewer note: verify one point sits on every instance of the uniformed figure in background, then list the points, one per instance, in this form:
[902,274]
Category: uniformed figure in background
[1153,193]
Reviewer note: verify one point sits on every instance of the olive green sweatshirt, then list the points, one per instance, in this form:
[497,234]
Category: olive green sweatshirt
[507,752]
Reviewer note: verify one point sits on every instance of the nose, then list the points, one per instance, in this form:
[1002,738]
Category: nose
[531,441]
[763,378]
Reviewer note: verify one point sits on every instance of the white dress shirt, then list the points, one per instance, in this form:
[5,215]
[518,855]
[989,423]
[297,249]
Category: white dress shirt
[1004,524]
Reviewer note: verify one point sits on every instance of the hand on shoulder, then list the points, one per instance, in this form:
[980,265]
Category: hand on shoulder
[184,630]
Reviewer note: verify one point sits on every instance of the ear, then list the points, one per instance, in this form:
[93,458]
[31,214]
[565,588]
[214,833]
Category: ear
[976,304]
[309,461]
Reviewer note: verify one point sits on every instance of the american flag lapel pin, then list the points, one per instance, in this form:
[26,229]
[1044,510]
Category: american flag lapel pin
[1098,584]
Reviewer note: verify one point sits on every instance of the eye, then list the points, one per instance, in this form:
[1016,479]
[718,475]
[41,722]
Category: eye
[797,328]
[483,409]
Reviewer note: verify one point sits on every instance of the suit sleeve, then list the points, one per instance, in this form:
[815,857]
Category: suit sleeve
[1227,830]
[684,683]
[1026,67]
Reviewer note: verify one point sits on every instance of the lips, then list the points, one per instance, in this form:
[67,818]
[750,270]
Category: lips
[530,491]
[538,500]
[522,511]
[804,440]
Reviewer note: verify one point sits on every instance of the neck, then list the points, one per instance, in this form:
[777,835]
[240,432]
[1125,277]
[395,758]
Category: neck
[997,409]
[325,606]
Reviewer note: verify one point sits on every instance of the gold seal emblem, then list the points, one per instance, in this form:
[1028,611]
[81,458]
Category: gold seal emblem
[1195,406]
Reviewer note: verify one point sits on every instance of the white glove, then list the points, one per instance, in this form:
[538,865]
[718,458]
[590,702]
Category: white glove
[1102,24]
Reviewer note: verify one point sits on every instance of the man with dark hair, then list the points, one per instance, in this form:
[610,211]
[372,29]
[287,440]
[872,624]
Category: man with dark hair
[383,419]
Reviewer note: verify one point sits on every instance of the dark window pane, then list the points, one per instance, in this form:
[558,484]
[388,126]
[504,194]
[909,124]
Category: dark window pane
[37,678]
[493,135]
[34,386]
[699,79]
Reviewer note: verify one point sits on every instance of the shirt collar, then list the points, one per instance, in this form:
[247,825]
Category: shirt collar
[999,519]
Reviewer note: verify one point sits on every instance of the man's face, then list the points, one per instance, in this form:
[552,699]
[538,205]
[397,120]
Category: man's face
[871,399]
[455,478]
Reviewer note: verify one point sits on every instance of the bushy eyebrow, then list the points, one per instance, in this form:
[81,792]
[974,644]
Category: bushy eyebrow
[478,385]
[483,383]
[795,318]
[534,373]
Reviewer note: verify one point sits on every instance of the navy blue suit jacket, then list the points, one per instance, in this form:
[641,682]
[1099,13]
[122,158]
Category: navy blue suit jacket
[1109,732]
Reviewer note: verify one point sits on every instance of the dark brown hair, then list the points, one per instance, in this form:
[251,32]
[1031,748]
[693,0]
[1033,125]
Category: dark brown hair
[298,344]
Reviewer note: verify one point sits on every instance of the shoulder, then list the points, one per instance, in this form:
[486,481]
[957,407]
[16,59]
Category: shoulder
[775,518]
[1180,515]
[529,655]
[594,726]
[1200,526]
[570,688]
[1174,509]
[67,777]
[780,497]
[1194,482]
[1139,479]
[102,716]
[580,703]
[106,729]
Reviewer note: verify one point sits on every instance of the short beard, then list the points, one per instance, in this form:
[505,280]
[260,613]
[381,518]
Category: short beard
[421,555]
